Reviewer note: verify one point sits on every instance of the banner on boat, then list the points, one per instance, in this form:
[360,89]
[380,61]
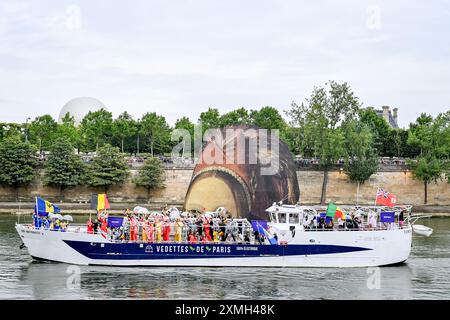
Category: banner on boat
[387,217]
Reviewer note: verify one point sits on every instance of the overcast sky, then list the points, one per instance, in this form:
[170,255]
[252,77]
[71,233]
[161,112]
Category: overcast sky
[181,57]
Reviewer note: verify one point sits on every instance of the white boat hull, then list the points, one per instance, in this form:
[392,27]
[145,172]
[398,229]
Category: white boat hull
[307,249]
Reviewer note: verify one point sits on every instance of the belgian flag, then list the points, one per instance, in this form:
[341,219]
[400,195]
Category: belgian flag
[100,202]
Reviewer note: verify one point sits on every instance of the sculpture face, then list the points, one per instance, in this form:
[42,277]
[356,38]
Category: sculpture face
[242,188]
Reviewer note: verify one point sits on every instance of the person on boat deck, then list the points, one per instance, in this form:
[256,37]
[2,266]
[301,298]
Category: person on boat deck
[178,229]
[95,225]
[144,230]
[89,226]
[321,222]
[372,220]
[57,225]
[247,237]
[126,226]
[133,228]
[104,222]
[192,238]
[158,229]
[207,229]
[401,218]
[166,229]
[307,222]
[46,223]
[150,230]
[329,223]
[216,230]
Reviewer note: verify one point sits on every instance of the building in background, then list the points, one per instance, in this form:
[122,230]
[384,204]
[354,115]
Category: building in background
[390,117]
[80,107]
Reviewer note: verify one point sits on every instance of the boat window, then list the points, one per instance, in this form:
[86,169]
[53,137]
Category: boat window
[273,216]
[293,218]
[282,218]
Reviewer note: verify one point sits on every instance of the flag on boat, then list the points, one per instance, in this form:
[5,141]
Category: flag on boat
[115,222]
[333,211]
[43,207]
[387,217]
[100,202]
[385,198]
[261,227]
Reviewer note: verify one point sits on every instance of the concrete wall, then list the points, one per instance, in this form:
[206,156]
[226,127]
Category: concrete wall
[339,190]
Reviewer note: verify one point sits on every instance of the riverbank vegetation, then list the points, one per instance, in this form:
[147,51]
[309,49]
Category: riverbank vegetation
[331,125]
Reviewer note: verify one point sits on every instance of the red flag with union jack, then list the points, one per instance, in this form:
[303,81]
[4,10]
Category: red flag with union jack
[385,198]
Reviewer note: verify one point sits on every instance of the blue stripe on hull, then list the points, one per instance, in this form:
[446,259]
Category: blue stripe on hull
[136,251]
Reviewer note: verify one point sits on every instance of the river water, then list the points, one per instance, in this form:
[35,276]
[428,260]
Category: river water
[426,275]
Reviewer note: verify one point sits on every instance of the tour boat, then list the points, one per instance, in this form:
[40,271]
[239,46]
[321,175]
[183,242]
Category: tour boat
[287,242]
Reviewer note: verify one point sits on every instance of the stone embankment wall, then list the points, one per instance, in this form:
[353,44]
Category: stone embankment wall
[340,190]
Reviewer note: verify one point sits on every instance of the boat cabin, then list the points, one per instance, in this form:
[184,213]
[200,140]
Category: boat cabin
[286,216]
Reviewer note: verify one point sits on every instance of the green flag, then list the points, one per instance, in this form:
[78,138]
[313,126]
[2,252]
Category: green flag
[331,209]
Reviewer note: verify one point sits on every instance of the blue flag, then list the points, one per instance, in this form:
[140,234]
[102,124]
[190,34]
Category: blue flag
[43,208]
[261,226]
[115,222]
[387,217]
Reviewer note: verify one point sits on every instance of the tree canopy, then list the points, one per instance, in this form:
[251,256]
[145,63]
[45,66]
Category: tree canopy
[64,168]
[18,162]
[108,168]
[151,175]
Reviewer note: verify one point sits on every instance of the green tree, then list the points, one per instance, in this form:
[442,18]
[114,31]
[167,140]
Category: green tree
[210,119]
[18,163]
[96,129]
[320,118]
[156,133]
[151,176]
[235,117]
[68,131]
[42,131]
[432,138]
[124,129]
[361,160]
[380,129]
[427,169]
[270,118]
[108,168]
[11,130]
[64,168]
[185,124]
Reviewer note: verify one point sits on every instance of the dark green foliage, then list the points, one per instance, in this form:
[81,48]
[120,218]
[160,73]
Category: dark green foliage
[68,131]
[151,176]
[18,162]
[361,160]
[235,117]
[64,168]
[108,168]
[124,131]
[155,133]
[42,131]
[96,129]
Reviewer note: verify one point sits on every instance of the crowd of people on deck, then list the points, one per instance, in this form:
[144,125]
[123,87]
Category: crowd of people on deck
[172,226]
[352,221]
[49,222]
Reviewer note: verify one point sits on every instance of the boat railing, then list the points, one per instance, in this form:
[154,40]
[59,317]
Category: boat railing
[381,226]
